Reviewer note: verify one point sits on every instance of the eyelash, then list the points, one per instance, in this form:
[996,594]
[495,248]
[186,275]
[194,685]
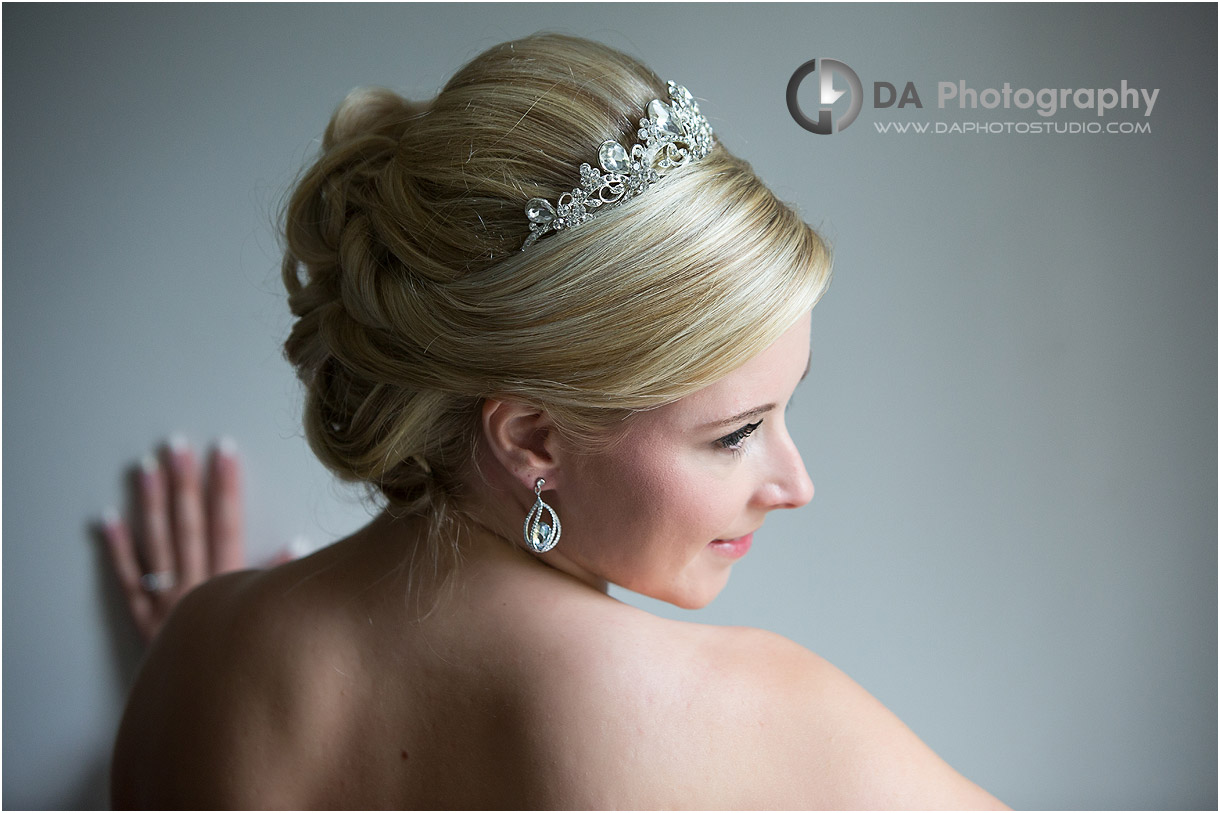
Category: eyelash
[733,440]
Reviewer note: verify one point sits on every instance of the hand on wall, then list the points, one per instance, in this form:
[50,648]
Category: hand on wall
[188,528]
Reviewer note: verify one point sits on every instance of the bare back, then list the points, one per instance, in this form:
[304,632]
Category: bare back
[315,686]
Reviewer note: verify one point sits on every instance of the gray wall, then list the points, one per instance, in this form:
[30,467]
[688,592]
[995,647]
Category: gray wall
[1011,416]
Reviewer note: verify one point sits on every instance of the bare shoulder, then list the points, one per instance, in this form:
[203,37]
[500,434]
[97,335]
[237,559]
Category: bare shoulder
[818,723]
[682,715]
[224,700]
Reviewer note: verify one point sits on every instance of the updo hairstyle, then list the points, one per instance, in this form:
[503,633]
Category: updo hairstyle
[414,301]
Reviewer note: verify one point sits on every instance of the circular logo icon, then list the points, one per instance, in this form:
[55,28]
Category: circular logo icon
[827,70]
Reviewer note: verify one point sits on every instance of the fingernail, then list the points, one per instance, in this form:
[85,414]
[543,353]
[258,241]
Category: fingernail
[177,443]
[300,546]
[110,517]
[226,446]
[149,464]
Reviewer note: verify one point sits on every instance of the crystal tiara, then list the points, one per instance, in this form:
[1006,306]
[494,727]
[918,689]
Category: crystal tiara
[673,135]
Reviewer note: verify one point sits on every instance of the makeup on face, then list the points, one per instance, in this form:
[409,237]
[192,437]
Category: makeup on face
[668,511]
[733,548]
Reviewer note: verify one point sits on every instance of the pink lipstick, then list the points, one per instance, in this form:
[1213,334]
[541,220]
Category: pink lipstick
[733,548]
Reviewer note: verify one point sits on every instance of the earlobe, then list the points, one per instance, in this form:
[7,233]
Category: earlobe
[522,439]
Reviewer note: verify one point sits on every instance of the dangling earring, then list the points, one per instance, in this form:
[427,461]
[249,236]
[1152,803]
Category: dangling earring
[539,535]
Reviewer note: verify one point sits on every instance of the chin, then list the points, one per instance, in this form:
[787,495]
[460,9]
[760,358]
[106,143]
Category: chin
[694,603]
[692,596]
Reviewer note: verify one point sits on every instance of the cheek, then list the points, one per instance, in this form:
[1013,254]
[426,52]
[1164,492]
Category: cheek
[638,494]
[666,502]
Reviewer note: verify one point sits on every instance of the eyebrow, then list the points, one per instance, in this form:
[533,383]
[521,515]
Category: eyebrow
[758,410]
[744,416]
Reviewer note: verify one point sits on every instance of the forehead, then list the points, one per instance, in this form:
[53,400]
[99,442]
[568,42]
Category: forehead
[768,378]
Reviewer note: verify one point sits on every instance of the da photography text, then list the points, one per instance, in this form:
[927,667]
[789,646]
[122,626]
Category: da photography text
[1048,100]
[840,97]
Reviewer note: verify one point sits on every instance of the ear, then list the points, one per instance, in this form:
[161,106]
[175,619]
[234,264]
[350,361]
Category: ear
[524,440]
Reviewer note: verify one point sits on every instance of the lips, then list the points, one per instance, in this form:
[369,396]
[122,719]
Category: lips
[733,548]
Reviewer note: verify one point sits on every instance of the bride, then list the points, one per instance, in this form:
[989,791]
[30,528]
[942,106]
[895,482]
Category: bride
[554,325]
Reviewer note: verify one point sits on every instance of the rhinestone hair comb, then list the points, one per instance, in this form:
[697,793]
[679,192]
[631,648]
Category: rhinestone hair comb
[673,135]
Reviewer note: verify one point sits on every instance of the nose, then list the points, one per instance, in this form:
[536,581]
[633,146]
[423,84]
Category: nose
[788,484]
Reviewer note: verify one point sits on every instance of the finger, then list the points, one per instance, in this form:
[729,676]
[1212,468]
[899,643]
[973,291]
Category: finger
[186,503]
[158,556]
[282,556]
[299,547]
[127,568]
[226,523]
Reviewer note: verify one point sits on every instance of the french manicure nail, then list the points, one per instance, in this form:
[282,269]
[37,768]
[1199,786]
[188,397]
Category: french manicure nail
[226,446]
[110,517]
[149,464]
[177,443]
[300,546]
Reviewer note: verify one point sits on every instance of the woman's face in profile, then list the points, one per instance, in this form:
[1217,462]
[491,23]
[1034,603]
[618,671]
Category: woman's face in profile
[669,509]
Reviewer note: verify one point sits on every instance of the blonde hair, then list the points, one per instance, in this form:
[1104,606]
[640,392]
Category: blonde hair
[415,302]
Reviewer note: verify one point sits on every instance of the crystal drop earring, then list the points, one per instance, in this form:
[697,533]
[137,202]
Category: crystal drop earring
[541,535]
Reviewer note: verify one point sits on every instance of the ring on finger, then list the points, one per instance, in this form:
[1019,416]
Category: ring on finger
[158,582]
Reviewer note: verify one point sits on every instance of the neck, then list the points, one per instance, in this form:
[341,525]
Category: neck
[478,551]
[482,541]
